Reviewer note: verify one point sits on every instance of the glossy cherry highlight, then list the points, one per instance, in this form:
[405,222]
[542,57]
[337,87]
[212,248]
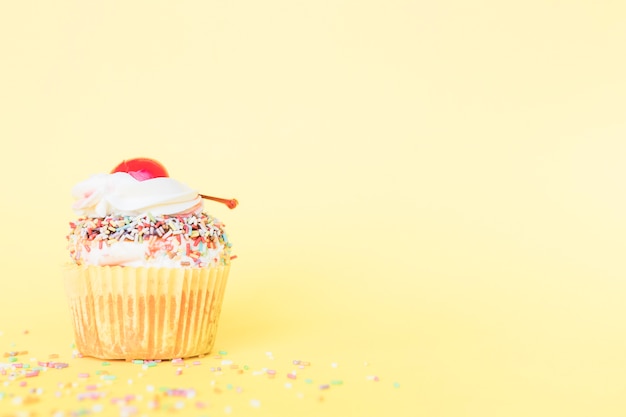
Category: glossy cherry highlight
[142,168]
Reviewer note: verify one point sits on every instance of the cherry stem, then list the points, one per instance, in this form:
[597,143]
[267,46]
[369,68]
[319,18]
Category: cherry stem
[231,204]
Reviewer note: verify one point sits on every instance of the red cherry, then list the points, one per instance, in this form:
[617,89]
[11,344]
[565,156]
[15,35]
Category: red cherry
[142,168]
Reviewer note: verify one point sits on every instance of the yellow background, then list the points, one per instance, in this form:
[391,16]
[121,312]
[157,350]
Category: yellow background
[432,192]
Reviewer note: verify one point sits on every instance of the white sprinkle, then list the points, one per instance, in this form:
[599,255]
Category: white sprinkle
[255,403]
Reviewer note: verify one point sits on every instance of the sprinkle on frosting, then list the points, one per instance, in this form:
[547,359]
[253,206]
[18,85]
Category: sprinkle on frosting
[195,240]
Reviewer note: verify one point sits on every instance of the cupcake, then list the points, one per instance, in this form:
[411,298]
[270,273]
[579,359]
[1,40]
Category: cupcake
[148,265]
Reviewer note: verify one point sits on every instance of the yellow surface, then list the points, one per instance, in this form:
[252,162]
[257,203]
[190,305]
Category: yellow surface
[433,193]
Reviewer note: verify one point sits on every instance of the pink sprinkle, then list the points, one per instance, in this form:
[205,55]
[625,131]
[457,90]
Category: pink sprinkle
[197,363]
[23,384]
[201,404]
[83,375]
[291,375]
[31,374]
[271,372]
[91,387]
[179,371]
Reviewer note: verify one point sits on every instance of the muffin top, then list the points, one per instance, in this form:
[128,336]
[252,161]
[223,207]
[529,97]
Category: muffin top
[142,217]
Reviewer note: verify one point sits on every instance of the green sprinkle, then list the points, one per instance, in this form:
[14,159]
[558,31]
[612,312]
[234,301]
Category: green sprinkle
[246,367]
[223,352]
[337,382]
[308,381]
[109,377]
[106,363]
[396,385]
[26,365]
[138,361]
[229,386]
[12,359]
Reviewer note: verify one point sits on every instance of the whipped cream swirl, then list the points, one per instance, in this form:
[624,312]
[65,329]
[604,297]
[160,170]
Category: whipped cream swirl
[120,194]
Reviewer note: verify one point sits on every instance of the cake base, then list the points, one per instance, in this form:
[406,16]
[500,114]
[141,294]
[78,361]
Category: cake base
[145,313]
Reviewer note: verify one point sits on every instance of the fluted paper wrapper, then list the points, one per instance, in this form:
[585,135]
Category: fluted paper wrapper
[145,313]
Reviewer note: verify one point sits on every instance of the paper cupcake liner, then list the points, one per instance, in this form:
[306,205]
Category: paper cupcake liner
[145,313]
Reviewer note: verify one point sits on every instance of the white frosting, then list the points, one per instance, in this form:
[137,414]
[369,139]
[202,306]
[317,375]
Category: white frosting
[119,193]
[134,254]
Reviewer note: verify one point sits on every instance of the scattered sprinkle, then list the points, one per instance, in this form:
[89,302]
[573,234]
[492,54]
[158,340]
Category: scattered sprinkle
[224,378]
